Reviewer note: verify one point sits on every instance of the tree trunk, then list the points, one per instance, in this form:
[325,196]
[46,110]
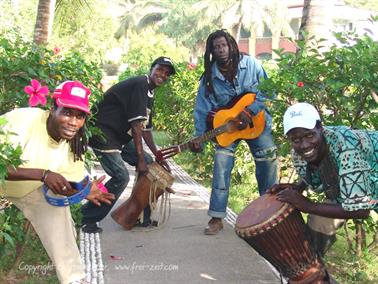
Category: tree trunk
[44,21]
[317,20]
[275,44]
[252,42]
[360,237]
[236,31]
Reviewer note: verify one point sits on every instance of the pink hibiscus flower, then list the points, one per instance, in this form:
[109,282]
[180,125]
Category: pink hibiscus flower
[37,93]
[56,50]
[191,66]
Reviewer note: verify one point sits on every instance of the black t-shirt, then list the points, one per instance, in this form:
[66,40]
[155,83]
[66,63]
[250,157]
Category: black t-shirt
[123,103]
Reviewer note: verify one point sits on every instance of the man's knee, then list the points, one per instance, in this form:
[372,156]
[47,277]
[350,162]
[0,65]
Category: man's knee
[266,154]
[123,176]
[120,179]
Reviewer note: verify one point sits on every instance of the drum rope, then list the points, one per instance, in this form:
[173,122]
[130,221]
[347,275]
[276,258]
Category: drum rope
[165,197]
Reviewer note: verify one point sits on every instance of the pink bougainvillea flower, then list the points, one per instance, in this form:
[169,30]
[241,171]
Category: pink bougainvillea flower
[37,93]
[56,50]
[300,84]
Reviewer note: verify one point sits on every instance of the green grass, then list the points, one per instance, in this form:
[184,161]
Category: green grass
[35,267]
[240,196]
[346,267]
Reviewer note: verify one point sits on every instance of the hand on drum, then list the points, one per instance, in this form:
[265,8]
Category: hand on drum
[281,186]
[294,198]
[164,164]
[97,196]
[278,187]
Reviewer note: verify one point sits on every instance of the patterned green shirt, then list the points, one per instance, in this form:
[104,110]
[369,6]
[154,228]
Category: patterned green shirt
[355,156]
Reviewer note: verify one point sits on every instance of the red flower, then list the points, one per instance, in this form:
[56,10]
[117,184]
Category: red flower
[37,93]
[191,66]
[56,50]
[300,84]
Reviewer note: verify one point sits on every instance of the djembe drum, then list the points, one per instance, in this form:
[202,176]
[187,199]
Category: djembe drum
[146,191]
[277,231]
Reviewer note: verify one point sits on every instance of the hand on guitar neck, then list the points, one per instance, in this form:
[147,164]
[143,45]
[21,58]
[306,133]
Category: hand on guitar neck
[226,125]
[195,146]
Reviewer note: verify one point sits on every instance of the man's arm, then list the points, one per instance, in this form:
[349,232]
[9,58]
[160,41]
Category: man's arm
[201,110]
[149,139]
[258,73]
[55,181]
[305,205]
[137,133]
[24,174]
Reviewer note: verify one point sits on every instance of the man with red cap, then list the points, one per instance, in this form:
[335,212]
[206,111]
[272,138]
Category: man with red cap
[53,144]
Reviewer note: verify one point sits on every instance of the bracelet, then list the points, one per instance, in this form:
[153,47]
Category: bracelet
[45,174]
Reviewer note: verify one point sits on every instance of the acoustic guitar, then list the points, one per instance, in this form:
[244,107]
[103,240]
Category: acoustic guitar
[224,126]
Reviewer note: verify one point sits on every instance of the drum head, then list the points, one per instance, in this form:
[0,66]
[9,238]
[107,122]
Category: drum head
[261,210]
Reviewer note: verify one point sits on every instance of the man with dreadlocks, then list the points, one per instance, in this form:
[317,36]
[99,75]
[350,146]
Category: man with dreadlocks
[52,144]
[229,74]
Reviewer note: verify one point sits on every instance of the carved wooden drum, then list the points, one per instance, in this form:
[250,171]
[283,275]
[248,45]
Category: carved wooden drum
[277,231]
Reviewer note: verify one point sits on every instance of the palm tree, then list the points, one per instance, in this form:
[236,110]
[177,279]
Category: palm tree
[141,14]
[191,21]
[45,17]
[279,23]
[252,15]
[316,19]
[233,15]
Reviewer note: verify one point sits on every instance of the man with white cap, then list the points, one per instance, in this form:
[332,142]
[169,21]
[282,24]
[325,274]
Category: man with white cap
[53,144]
[338,161]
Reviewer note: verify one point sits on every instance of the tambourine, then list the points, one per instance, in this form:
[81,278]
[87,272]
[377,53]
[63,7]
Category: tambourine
[83,187]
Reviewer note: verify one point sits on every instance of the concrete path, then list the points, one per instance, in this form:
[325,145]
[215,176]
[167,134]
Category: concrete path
[178,252]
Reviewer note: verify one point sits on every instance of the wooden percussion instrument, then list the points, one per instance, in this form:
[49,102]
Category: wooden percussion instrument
[146,190]
[277,231]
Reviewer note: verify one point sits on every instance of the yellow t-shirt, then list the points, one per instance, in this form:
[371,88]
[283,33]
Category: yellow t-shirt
[39,150]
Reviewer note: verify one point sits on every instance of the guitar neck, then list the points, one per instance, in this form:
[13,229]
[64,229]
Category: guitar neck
[205,137]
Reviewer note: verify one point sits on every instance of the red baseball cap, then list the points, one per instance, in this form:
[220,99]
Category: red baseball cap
[72,94]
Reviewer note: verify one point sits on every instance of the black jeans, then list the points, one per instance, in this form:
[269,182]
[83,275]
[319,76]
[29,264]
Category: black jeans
[114,165]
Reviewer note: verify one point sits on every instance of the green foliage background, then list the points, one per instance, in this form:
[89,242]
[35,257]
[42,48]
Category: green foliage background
[338,82]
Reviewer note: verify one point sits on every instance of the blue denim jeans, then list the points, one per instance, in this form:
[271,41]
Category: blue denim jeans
[114,165]
[264,153]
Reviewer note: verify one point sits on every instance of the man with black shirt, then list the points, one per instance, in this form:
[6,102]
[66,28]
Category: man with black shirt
[124,117]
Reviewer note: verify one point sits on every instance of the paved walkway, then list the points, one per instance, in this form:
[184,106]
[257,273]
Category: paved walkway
[178,252]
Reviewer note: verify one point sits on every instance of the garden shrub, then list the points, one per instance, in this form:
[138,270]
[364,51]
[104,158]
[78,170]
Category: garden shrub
[338,82]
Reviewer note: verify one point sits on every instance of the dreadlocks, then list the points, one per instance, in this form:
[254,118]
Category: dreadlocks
[209,59]
[79,144]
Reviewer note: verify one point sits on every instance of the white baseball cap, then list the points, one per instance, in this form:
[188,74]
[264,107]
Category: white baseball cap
[301,115]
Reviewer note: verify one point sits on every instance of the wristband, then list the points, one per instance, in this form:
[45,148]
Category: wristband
[44,175]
